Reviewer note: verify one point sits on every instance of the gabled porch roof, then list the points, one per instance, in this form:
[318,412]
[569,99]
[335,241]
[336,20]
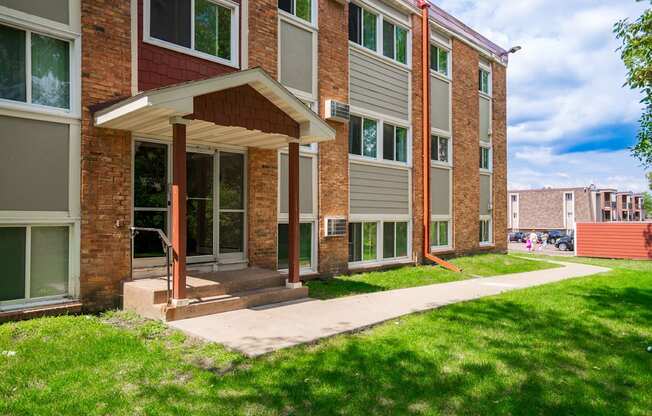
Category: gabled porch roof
[245,108]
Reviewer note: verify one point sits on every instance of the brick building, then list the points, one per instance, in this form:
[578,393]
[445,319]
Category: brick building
[560,208]
[266,135]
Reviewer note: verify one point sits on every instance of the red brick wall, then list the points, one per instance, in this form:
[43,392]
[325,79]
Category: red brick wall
[158,66]
[333,188]
[262,208]
[105,155]
[499,143]
[466,142]
[263,35]
[417,139]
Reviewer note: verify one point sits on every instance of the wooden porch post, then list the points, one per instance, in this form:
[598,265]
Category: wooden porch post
[179,221]
[293,214]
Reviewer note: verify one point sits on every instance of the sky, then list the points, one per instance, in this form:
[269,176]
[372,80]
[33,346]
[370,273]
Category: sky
[570,120]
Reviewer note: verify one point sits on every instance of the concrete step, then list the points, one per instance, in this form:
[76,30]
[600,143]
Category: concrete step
[233,301]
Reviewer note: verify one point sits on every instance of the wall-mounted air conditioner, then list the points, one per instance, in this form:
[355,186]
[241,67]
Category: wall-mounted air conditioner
[335,227]
[337,111]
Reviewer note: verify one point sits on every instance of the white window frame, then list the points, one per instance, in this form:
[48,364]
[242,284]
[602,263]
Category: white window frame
[514,209]
[437,162]
[313,248]
[489,149]
[314,12]
[235,34]
[436,72]
[380,121]
[568,226]
[489,241]
[382,235]
[407,150]
[407,36]
[487,69]
[383,13]
[436,219]
[379,220]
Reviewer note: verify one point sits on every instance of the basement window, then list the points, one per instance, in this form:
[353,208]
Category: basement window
[439,234]
[485,230]
[171,25]
[395,239]
[363,241]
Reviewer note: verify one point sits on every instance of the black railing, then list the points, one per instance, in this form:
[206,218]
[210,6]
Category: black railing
[165,242]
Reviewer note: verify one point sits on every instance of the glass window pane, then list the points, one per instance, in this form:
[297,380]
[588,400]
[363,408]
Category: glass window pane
[388,141]
[401,144]
[401,239]
[434,148]
[443,233]
[12,70]
[199,168]
[282,250]
[304,9]
[369,241]
[224,32]
[49,262]
[443,149]
[355,135]
[305,246]
[369,27]
[370,136]
[285,5]
[388,240]
[433,57]
[231,232]
[388,39]
[401,45]
[231,180]
[206,27]
[443,62]
[50,72]
[148,244]
[12,258]
[150,175]
[355,241]
[170,21]
[355,23]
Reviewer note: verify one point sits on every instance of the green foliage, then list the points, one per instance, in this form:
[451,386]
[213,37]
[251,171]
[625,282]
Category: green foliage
[647,202]
[636,53]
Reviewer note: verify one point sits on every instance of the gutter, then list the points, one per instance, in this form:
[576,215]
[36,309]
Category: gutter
[425,70]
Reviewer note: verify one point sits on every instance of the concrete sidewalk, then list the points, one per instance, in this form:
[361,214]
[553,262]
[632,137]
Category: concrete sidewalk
[259,331]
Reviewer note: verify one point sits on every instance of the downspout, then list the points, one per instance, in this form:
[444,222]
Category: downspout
[425,71]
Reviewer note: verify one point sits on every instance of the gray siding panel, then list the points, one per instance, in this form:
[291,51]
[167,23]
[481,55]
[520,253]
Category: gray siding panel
[56,10]
[296,57]
[378,86]
[440,191]
[440,104]
[33,165]
[379,190]
[484,119]
[485,194]
[305,184]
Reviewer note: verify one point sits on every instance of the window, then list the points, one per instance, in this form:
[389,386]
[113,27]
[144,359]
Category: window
[439,60]
[363,136]
[305,245]
[214,24]
[485,158]
[439,150]
[394,143]
[44,78]
[484,78]
[362,27]
[439,231]
[45,250]
[394,42]
[485,230]
[298,8]
[395,238]
[363,241]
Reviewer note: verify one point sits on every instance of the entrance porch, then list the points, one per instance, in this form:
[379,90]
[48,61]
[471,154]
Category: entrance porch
[212,134]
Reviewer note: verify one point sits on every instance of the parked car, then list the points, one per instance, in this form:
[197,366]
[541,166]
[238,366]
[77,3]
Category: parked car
[517,237]
[555,235]
[565,243]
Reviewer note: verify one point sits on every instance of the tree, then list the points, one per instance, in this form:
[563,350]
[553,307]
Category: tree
[647,203]
[636,53]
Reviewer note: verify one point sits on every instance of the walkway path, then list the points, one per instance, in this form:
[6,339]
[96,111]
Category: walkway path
[261,330]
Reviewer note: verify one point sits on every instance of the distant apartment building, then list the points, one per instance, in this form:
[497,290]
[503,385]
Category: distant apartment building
[560,208]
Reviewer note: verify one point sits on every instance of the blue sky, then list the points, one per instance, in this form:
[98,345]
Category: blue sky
[570,120]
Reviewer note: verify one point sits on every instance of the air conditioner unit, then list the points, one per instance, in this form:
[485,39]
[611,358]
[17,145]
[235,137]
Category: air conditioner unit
[337,111]
[335,227]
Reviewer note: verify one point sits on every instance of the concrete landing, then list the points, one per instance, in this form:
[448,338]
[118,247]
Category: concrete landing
[259,331]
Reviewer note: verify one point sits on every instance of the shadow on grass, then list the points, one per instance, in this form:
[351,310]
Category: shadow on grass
[335,288]
[495,356]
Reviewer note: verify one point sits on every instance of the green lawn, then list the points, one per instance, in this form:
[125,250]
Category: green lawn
[409,276]
[576,347]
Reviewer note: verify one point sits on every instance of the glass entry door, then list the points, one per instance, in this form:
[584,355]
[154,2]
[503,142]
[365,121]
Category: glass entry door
[216,215]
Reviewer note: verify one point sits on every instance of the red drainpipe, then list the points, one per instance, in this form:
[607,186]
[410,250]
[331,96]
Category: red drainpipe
[425,70]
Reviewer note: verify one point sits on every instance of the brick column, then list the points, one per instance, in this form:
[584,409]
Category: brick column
[466,144]
[262,208]
[417,139]
[333,192]
[499,142]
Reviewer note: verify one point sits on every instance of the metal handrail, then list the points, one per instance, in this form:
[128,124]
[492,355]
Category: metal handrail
[165,242]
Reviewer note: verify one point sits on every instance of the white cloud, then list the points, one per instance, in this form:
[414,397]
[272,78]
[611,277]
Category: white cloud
[566,82]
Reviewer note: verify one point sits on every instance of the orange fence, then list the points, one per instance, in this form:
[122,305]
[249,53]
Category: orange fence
[614,240]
